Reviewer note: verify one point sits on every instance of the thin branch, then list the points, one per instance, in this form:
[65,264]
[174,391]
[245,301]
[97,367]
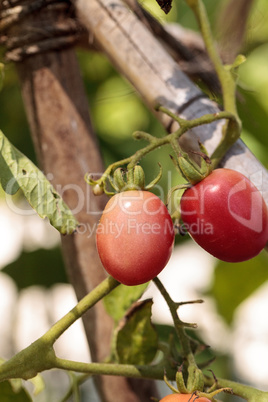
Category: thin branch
[83,305]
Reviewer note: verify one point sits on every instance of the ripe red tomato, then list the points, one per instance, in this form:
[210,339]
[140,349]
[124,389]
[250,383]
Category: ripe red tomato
[226,215]
[183,398]
[135,237]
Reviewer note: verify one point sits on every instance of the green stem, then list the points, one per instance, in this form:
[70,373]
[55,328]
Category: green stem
[76,381]
[155,372]
[124,370]
[195,379]
[40,355]
[246,392]
[82,306]
[158,142]
[225,77]
[179,325]
[228,83]
[231,133]
[176,147]
[199,121]
[75,388]
[154,143]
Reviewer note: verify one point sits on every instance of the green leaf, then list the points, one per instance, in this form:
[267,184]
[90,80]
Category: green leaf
[121,298]
[137,340]
[17,171]
[39,267]
[2,75]
[38,384]
[167,332]
[15,394]
[253,113]
[233,283]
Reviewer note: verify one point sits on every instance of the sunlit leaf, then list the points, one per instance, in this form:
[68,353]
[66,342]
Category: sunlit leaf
[137,339]
[17,171]
[233,283]
[121,298]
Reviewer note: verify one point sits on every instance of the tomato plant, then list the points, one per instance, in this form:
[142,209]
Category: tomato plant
[183,398]
[135,236]
[226,215]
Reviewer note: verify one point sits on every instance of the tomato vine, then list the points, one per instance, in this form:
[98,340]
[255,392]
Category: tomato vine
[125,176]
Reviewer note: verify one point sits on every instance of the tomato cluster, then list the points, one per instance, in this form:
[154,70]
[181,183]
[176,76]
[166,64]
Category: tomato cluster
[226,215]
[135,236]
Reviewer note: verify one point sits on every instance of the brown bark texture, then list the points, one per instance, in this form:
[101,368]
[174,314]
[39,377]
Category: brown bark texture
[67,149]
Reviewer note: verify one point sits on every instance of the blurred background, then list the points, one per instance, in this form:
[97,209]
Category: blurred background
[34,291]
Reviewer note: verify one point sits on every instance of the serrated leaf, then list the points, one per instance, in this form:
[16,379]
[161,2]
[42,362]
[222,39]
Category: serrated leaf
[233,283]
[17,171]
[8,394]
[121,298]
[137,340]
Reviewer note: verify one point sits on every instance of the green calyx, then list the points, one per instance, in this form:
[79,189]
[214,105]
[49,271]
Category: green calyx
[195,384]
[191,170]
[132,178]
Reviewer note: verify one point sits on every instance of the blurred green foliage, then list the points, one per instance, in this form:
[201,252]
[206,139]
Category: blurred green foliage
[39,267]
[233,283]
[11,393]
[117,111]
[13,120]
